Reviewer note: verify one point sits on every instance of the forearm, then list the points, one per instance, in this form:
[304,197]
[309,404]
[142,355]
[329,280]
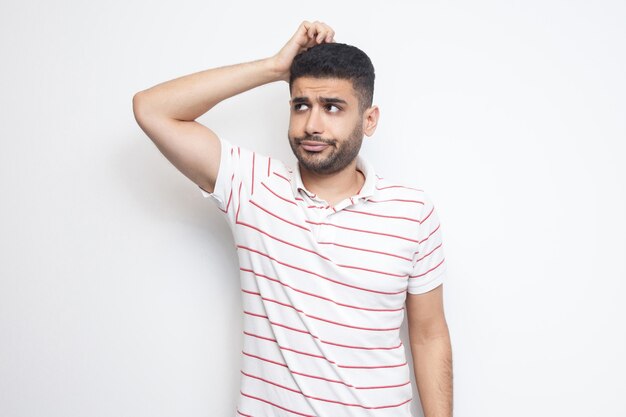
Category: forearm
[432,361]
[190,96]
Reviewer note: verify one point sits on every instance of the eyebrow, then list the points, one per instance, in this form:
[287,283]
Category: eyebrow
[332,100]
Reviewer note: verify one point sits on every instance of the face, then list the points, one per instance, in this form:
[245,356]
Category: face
[325,124]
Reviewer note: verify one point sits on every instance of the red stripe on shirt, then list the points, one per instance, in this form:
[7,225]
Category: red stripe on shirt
[316,295]
[320,377]
[372,367]
[272,383]
[362,347]
[386,386]
[362,230]
[319,275]
[323,399]
[264,359]
[373,329]
[259,336]
[279,217]
[398,186]
[322,357]
[276,405]
[275,323]
[430,234]
[365,250]
[283,241]
[382,215]
[309,332]
[396,199]
[286,348]
[372,270]
[431,269]
[253,158]
[238,201]
[429,253]
[431,212]
[230,195]
[318,254]
[295,372]
[281,176]
[282,198]
[353,327]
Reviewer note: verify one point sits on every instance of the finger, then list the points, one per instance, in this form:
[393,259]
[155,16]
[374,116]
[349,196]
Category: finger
[326,34]
[330,36]
[304,30]
[317,32]
[304,26]
[309,31]
[322,35]
[320,30]
[312,30]
[316,29]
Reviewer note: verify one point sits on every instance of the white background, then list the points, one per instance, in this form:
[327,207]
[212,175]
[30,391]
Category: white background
[119,293]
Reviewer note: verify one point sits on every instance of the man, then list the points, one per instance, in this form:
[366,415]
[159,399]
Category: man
[330,253]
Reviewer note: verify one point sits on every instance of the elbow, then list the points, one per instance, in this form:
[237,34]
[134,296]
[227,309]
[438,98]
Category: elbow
[138,105]
[143,110]
[429,331]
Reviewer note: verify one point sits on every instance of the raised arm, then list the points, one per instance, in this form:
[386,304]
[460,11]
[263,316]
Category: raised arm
[167,111]
[431,350]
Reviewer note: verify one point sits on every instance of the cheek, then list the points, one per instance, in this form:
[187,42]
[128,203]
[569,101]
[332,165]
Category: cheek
[297,126]
[344,131]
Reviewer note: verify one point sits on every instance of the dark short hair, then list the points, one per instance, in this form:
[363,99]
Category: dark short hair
[337,60]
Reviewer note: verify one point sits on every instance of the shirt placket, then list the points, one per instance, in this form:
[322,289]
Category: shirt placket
[324,231]
[327,231]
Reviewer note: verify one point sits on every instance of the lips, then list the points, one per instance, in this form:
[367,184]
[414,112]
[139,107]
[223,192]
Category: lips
[313,146]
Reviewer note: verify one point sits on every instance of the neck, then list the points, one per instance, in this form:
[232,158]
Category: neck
[336,186]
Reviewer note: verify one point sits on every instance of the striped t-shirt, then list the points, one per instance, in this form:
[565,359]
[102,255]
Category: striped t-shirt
[324,287]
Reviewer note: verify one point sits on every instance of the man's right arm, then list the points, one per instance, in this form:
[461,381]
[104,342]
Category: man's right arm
[167,111]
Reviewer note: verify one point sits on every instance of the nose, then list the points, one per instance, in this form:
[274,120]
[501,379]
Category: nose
[314,125]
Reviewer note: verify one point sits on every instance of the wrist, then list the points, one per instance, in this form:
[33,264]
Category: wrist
[277,69]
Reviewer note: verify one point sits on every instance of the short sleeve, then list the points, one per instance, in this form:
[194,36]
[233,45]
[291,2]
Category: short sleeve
[239,170]
[222,192]
[429,267]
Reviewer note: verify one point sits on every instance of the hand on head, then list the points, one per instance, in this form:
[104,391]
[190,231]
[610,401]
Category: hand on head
[308,34]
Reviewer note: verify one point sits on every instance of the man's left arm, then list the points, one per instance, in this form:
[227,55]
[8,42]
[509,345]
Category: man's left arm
[431,351]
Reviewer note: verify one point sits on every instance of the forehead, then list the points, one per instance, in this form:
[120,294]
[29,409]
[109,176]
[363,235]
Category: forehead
[312,87]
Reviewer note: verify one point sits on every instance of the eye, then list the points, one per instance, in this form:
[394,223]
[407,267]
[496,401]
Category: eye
[299,106]
[332,108]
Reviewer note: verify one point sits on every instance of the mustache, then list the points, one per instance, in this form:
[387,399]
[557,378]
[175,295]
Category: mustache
[313,138]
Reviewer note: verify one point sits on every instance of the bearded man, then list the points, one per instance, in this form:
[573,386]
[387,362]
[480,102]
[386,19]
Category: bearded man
[331,254]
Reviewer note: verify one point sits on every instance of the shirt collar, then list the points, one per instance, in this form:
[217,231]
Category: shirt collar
[363,165]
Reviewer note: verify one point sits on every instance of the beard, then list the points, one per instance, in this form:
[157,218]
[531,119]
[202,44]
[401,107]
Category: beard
[338,155]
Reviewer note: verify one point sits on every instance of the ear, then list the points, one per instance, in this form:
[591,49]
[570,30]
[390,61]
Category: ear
[370,120]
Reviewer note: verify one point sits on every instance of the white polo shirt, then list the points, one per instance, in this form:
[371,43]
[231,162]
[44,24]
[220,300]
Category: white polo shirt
[324,287]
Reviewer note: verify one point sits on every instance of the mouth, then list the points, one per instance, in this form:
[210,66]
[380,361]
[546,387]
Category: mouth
[313,146]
